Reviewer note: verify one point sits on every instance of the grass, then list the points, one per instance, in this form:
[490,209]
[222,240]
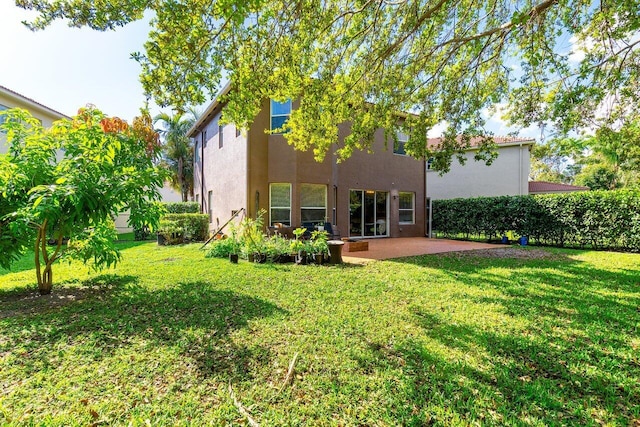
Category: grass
[461,339]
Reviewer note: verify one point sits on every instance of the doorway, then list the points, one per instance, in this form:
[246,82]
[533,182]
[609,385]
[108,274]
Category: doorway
[368,213]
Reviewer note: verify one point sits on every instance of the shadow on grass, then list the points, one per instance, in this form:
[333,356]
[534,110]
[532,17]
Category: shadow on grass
[192,317]
[571,362]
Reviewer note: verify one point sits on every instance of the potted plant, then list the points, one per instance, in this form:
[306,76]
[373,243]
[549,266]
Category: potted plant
[235,244]
[298,246]
[319,247]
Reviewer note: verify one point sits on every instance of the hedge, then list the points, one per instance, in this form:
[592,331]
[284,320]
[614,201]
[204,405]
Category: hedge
[182,207]
[596,219]
[181,227]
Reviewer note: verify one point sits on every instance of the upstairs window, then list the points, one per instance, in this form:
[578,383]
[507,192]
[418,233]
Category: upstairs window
[2,118]
[280,112]
[398,145]
[220,136]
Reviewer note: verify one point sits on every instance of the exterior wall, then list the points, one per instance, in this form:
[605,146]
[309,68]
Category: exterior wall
[168,195]
[46,116]
[382,170]
[240,176]
[224,174]
[506,176]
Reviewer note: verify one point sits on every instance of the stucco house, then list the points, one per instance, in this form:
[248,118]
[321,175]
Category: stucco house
[378,194]
[12,99]
[46,115]
[508,175]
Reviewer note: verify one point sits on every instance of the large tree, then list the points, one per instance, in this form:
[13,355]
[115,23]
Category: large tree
[177,149]
[69,182]
[363,61]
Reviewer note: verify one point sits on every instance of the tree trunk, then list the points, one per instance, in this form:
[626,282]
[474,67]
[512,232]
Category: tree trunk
[45,277]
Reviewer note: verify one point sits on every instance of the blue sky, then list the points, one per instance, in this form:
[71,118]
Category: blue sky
[66,68]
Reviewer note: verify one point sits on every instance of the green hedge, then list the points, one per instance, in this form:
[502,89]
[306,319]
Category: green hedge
[596,219]
[182,207]
[178,228]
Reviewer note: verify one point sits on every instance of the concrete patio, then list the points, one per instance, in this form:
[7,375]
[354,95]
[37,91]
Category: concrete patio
[387,248]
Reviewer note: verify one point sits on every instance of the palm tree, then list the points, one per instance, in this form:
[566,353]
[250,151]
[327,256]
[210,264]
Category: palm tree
[178,149]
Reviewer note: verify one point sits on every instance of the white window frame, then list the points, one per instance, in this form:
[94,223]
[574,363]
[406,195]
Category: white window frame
[412,210]
[314,207]
[271,207]
[401,140]
[271,115]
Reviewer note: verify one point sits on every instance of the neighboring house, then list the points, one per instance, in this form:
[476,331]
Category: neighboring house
[378,194]
[544,187]
[46,115]
[507,176]
[11,99]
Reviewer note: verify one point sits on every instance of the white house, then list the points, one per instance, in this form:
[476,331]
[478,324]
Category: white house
[508,175]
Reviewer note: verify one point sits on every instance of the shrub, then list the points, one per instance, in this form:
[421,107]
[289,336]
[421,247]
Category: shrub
[182,207]
[598,219]
[177,228]
[221,248]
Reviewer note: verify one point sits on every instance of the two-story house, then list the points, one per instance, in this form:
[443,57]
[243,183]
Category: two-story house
[377,194]
[11,99]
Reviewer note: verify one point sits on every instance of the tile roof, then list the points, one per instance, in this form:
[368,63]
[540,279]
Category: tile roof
[25,98]
[539,187]
[499,140]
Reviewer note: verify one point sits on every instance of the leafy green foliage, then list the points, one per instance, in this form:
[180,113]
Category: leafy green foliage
[182,207]
[69,181]
[177,149]
[538,337]
[184,227]
[599,219]
[363,62]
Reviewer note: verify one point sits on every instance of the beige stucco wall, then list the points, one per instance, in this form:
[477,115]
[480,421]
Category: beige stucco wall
[10,100]
[225,172]
[506,176]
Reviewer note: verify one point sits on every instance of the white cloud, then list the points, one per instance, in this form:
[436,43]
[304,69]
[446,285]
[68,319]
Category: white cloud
[438,129]
[577,50]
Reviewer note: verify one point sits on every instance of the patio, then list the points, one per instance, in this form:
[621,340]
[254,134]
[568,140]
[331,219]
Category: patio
[398,247]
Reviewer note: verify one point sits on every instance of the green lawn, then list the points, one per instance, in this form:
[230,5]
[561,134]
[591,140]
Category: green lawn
[541,337]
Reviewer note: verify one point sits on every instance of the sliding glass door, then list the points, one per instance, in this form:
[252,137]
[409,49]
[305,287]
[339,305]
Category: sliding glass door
[368,213]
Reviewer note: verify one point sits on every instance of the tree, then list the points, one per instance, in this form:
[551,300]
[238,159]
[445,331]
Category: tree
[363,61]
[69,182]
[178,150]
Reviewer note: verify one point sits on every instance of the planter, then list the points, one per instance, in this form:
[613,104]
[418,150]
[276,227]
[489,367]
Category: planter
[259,258]
[301,258]
[162,241]
[318,258]
[357,246]
[233,258]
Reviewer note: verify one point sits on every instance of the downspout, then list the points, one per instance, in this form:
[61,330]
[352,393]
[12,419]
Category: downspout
[202,133]
[248,186]
[520,170]
[427,209]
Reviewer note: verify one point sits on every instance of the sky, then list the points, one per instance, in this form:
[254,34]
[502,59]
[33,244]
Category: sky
[67,68]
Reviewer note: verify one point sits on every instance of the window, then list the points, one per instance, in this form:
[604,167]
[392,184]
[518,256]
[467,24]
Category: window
[2,107]
[280,204]
[280,112]
[238,130]
[407,208]
[430,163]
[398,145]
[220,136]
[196,152]
[204,138]
[313,203]
[210,205]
